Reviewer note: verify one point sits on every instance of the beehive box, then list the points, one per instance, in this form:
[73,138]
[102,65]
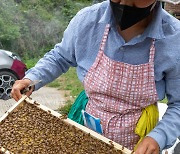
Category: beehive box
[29,127]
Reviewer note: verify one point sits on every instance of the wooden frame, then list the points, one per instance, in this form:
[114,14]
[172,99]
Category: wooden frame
[5,151]
[69,121]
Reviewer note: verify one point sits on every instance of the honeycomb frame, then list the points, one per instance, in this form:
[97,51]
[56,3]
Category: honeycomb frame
[87,131]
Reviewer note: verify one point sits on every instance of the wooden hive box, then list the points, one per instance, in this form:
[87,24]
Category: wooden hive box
[29,127]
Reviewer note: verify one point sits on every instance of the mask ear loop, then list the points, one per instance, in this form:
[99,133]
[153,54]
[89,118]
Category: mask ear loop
[153,5]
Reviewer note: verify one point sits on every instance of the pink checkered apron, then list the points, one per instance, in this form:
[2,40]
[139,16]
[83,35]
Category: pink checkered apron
[118,92]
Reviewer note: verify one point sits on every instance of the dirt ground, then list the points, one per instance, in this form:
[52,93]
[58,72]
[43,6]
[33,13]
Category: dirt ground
[50,97]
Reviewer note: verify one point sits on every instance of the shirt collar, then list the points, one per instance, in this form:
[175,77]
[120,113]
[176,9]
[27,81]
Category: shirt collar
[107,17]
[154,30]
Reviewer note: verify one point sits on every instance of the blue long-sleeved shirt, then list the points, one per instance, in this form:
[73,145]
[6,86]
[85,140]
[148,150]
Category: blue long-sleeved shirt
[80,45]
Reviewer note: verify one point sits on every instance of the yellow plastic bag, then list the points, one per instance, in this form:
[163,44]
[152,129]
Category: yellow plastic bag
[147,121]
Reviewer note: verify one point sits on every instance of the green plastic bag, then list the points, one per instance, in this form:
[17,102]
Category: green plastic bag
[79,105]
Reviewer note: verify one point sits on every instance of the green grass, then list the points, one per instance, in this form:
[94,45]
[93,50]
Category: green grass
[66,108]
[69,83]
[54,84]
[31,62]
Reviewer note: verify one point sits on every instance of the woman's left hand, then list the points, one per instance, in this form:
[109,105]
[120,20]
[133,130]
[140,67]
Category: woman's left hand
[148,146]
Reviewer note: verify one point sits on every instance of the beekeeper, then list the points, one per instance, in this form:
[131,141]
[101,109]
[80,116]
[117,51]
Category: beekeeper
[127,55]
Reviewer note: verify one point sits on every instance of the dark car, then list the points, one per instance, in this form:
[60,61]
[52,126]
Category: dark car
[11,69]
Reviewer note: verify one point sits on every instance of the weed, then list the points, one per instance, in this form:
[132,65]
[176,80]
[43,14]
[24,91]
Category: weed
[68,82]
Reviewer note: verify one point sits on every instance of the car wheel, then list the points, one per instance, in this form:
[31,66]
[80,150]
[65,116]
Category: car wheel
[7,80]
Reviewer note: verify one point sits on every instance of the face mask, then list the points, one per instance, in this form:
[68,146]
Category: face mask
[127,16]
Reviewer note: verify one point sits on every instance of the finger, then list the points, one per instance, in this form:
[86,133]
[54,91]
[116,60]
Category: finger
[141,150]
[14,97]
[16,89]
[16,94]
[155,152]
[28,93]
[13,94]
[150,151]
[147,149]
[152,148]
[19,95]
[148,146]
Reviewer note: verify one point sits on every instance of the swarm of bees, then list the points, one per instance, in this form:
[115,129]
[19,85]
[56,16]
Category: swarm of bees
[31,130]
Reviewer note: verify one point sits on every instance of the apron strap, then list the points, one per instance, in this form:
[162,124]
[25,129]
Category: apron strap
[152,51]
[102,46]
[105,36]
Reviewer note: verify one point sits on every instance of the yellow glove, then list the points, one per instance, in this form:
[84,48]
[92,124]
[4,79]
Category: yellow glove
[147,121]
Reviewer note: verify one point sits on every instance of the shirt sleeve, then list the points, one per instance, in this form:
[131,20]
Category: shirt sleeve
[56,61]
[168,129]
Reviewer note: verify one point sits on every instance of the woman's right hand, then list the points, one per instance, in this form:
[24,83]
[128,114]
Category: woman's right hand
[18,86]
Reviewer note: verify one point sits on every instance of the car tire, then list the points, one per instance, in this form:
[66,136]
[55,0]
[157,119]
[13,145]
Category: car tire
[7,80]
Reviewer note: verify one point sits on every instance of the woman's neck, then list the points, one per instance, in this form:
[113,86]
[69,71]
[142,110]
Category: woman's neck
[135,30]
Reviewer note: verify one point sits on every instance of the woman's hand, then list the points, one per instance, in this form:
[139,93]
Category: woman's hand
[148,146]
[18,86]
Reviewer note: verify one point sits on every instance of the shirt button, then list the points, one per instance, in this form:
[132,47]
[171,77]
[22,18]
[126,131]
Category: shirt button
[84,73]
[121,48]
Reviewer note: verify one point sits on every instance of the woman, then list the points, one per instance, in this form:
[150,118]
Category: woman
[127,57]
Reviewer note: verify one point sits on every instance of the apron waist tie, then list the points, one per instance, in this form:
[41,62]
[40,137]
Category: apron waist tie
[119,116]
